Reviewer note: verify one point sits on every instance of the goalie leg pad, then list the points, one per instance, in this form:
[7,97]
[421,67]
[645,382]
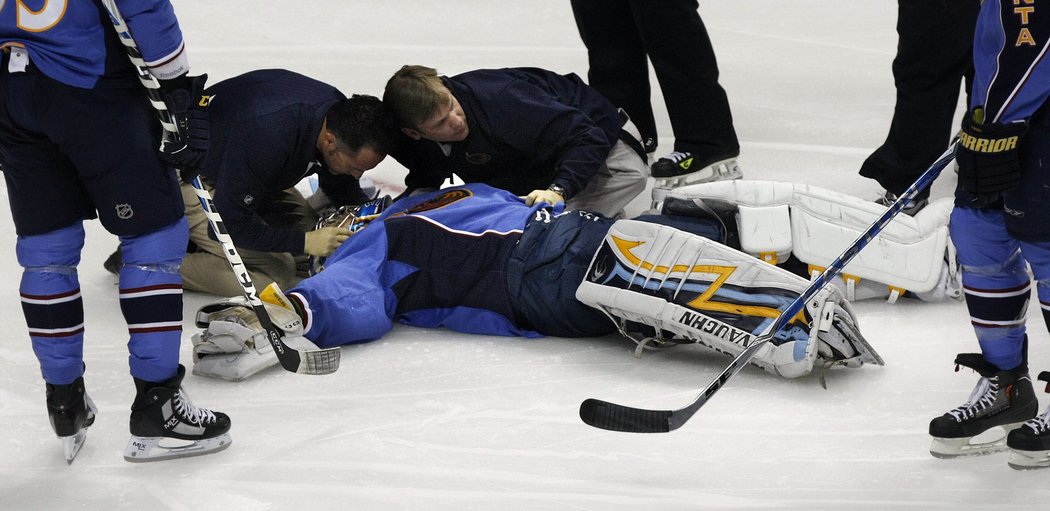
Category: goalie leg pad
[717,296]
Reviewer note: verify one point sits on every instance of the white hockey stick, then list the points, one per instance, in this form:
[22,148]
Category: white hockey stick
[324,361]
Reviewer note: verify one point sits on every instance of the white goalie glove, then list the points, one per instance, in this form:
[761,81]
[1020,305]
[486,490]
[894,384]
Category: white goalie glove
[233,344]
[698,290]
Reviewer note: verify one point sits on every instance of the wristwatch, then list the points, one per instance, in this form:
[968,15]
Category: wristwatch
[560,190]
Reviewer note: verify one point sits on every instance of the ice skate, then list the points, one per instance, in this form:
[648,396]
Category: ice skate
[1001,398]
[1030,444]
[911,206]
[71,412]
[165,424]
[681,169]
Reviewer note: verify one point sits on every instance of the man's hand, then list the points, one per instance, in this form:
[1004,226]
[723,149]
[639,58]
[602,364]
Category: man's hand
[182,97]
[549,196]
[988,158]
[324,241]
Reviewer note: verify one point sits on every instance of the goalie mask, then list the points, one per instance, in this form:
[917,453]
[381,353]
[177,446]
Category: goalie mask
[691,289]
[353,218]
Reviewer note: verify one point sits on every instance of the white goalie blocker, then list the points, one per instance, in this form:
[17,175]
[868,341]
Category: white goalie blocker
[778,219]
[701,291]
[233,344]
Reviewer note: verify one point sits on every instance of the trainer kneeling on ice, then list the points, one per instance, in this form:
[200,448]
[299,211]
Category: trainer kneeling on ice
[478,260]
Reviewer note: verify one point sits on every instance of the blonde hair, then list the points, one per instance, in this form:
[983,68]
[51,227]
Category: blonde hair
[414,94]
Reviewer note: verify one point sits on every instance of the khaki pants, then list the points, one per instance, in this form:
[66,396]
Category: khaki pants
[617,183]
[206,270]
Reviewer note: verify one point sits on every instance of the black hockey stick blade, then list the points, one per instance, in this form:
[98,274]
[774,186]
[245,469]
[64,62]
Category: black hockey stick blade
[614,417]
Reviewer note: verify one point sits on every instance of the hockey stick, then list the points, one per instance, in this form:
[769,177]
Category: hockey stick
[324,361]
[614,417]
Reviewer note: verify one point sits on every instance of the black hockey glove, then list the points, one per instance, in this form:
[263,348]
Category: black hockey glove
[186,151]
[988,159]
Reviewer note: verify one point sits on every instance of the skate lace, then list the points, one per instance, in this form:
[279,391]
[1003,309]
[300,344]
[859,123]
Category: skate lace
[189,411]
[678,157]
[1040,423]
[982,398]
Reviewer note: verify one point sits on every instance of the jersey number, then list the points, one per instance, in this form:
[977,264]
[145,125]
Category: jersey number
[41,19]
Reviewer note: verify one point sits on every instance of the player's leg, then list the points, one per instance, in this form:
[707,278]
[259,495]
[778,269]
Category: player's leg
[692,289]
[997,289]
[1030,444]
[138,199]
[47,206]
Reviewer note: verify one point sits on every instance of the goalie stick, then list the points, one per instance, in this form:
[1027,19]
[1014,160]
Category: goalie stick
[325,361]
[614,417]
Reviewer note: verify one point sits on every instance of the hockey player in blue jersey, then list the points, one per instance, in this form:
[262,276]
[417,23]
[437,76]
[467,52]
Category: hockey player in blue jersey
[78,140]
[538,134]
[479,260]
[1001,222]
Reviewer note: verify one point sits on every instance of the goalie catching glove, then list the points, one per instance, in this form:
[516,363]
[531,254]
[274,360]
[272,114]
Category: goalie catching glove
[234,346]
[691,289]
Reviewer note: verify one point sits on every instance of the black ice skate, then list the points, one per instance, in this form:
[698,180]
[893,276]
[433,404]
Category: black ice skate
[1030,444]
[911,206]
[682,168]
[163,414]
[71,412]
[1001,398]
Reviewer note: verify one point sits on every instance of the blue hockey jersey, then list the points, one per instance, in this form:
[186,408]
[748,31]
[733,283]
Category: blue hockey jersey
[438,259]
[1012,68]
[74,42]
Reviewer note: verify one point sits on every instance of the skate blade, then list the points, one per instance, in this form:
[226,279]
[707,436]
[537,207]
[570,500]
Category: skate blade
[950,448]
[71,445]
[1028,460]
[149,449]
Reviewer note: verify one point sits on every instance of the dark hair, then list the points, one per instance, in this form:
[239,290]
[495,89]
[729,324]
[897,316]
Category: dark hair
[362,121]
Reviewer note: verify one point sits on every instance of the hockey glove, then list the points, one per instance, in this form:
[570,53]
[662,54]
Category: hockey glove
[322,242]
[988,158]
[183,97]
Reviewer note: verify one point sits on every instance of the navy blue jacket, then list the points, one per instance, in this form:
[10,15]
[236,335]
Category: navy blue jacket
[264,128]
[529,128]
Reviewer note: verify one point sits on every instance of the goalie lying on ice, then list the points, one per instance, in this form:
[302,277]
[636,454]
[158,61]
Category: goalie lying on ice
[475,259]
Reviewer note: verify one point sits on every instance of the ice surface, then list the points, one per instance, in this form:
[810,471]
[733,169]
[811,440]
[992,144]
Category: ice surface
[438,420]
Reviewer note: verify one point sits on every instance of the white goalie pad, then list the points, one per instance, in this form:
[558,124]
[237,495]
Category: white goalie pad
[705,292]
[775,219]
[233,344]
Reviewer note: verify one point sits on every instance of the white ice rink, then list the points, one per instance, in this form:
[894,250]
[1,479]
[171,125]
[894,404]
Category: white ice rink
[435,420]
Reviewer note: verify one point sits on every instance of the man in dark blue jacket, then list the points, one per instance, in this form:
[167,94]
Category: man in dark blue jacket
[535,133]
[270,129]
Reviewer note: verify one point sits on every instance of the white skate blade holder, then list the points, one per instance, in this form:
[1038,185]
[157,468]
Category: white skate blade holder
[71,444]
[989,442]
[1028,460]
[147,449]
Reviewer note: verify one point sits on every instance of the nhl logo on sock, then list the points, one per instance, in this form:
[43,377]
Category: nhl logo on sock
[124,211]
